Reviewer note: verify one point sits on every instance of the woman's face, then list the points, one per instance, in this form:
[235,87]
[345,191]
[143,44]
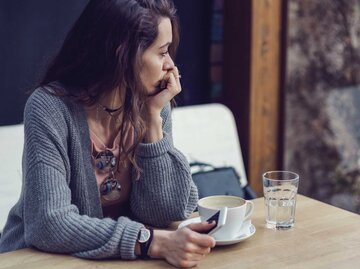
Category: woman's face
[156,61]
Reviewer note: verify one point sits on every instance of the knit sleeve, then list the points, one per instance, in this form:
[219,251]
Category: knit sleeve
[165,191]
[51,222]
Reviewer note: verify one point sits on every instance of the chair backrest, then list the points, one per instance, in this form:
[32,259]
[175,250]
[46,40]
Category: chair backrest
[207,133]
[11,147]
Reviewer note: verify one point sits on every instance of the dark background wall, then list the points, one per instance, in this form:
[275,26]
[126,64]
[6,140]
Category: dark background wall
[32,31]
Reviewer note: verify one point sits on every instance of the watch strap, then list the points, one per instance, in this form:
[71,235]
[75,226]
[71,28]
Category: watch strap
[144,247]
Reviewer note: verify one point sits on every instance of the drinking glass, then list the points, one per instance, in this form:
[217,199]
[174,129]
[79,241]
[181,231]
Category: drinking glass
[280,189]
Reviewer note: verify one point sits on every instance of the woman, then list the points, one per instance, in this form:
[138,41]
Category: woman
[99,160]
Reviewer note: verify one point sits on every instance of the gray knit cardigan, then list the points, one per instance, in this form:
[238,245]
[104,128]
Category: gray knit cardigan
[59,209]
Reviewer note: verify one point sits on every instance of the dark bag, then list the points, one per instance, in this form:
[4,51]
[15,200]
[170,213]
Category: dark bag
[219,181]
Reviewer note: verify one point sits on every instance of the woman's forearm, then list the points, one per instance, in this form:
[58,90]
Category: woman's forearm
[154,130]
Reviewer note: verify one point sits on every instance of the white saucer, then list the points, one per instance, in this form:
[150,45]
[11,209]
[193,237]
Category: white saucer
[248,233]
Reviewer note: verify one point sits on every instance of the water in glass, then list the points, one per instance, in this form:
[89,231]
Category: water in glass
[280,204]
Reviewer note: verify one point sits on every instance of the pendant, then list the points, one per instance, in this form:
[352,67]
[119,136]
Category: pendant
[105,161]
[110,189]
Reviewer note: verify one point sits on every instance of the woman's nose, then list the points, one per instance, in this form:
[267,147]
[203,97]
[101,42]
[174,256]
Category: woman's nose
[169,63]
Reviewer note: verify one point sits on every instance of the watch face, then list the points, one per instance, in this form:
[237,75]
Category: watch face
[144,235]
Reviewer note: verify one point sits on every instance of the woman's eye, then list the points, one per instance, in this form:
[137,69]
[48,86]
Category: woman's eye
[164,53]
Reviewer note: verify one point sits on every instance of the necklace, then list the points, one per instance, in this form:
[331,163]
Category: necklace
[106,162]
[109,110]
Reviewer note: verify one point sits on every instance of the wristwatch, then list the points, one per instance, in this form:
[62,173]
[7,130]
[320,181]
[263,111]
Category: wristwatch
[144,238]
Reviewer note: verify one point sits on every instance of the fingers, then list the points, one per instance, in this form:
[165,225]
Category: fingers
[191,255]
[197,249]
[201,226]
[174,84]
[197,243]
[187,248]
[177,77]
[173,81]
[202,240]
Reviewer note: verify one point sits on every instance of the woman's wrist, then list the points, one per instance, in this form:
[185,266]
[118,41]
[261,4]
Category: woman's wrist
[158,244]
[137,249]
[154,130]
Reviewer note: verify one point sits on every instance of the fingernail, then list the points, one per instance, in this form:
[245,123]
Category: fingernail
[211,221]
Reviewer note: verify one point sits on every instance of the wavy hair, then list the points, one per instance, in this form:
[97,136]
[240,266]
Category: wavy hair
[102,52]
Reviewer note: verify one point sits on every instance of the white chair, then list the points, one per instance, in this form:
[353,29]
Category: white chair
[11,146]
[207,133]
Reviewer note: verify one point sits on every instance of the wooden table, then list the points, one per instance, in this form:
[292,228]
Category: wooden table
[323,237]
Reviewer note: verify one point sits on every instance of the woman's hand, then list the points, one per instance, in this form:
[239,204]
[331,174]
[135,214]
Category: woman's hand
[157,102]
[172,86]
[184,247]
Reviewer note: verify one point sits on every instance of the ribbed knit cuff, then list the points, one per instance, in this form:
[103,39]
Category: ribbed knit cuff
[128,240]
[155,149]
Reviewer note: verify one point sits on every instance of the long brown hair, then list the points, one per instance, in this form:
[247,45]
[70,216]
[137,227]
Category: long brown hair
[102,52]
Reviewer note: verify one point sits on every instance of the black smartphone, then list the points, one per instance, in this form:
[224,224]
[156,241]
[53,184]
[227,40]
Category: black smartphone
[220,218]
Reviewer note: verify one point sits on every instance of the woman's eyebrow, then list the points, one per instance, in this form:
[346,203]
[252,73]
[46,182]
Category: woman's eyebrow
[167,44]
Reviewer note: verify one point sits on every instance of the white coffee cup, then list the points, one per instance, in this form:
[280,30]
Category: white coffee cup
[239,212]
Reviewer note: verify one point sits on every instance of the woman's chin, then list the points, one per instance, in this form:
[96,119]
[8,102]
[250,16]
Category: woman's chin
[153,91]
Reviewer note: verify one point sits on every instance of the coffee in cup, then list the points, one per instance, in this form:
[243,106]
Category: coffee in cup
[239,212]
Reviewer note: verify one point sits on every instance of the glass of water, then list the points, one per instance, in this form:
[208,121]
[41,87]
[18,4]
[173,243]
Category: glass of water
[280,189]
